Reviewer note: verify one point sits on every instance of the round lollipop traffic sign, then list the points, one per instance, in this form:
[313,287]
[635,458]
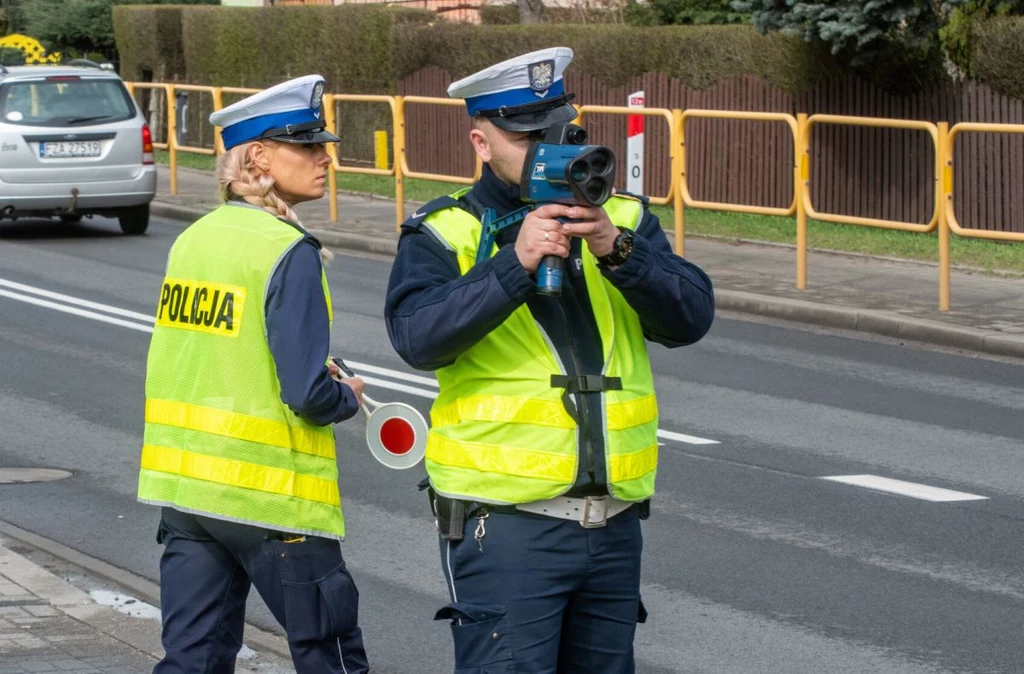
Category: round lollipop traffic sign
[396,434]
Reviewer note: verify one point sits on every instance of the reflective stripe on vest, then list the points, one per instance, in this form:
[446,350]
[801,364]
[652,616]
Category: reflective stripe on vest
[500,432]
[218,439]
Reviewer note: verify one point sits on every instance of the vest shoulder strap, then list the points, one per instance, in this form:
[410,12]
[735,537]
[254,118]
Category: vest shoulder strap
[415,221]
[259,223]
[450,224]
[626,210]
[635,197]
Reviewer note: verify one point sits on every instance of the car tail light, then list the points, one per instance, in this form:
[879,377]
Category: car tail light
[63,78]
[147,145]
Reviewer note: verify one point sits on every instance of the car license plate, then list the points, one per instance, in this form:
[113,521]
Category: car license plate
[78,148]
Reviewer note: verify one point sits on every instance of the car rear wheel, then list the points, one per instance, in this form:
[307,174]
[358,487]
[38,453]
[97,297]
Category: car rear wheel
[70,217]
[134,220]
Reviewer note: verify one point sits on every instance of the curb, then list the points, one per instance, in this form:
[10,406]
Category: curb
[175,212]
[138,586]
[73,602]
[885,323]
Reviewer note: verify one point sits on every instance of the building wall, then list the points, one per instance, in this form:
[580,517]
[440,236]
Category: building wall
[453,10]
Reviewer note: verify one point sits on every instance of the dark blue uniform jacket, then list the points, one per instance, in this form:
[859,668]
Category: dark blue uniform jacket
[433,314]
[299,337]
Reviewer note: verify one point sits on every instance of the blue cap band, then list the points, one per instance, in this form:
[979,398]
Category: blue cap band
[251,129]
[511,98]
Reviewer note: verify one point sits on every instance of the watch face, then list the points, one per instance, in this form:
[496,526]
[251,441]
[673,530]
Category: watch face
[626,244]
[623,246]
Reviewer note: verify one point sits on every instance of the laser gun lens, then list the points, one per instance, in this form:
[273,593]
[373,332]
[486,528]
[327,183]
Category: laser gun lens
[577,136]
[599,163]
[579,171]
[596,191]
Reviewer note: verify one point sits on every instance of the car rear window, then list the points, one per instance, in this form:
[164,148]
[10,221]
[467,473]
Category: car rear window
[64,102]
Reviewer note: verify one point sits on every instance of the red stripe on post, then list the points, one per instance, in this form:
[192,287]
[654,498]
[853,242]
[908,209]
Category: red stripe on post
[634,125]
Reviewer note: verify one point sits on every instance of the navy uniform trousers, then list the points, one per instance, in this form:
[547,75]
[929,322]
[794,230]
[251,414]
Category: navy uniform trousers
[539,595]
[206,571]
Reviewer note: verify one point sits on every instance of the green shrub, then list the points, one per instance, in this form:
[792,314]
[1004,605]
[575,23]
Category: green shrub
[700,56]
[11,57]
[149,39]
[369,48]
[999,51]
[682,12]
[352,46]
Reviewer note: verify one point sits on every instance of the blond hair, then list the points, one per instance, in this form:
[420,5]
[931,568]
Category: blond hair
[239,177]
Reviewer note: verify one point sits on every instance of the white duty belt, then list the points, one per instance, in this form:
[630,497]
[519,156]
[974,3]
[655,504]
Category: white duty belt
[591,512]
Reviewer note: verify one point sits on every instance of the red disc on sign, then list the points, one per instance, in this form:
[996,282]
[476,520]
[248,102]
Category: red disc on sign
[397,436]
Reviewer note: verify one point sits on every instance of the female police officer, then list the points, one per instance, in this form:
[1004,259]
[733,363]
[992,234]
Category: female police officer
[543,446]
[238,444]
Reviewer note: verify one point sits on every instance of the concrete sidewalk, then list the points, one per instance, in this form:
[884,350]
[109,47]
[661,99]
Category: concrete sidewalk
[49,625]
[887,297]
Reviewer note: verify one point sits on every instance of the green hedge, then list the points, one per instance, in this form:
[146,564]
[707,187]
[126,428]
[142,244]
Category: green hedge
[149,39]
[370,48]
[700,56]
[258,47]
[352,46]
[999,53]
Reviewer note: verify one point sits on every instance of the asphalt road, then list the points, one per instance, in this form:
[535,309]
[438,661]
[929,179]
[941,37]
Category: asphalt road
[753,562]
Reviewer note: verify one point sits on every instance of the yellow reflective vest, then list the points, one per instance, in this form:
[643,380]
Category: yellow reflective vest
[218,439]
[500,432]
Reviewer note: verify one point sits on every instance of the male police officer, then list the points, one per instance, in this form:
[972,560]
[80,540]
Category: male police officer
[238,443]
[543,447]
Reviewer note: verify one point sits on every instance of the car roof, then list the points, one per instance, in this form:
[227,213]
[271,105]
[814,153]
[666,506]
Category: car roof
[19,72]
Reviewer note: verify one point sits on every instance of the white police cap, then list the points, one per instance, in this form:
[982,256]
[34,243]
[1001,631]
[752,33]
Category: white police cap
[290,112]
[525,93]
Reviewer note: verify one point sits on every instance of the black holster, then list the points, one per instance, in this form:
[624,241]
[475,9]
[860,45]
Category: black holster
[449,514]
[645,509]
[451,517]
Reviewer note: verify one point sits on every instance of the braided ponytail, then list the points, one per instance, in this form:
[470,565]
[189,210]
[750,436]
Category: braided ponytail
[238,176]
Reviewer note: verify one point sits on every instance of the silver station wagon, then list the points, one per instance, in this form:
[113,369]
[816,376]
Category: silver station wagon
[73,143]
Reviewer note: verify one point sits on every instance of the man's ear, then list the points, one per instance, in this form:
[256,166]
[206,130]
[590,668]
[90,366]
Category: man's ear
[260,156]
[481,143]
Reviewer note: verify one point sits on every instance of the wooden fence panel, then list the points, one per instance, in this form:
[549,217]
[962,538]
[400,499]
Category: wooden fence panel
[879,173]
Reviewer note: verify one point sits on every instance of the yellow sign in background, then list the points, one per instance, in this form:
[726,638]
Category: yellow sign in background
[33,50]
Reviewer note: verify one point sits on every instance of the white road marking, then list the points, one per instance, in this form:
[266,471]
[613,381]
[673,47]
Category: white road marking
[912,489]
[423,393]
[427,381]
[34,295]
[77,312]
[688,439]
[68,299]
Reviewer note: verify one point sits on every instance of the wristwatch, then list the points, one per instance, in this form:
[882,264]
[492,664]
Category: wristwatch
[621,249]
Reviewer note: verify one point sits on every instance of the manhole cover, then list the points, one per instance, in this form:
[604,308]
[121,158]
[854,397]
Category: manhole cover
[20,475]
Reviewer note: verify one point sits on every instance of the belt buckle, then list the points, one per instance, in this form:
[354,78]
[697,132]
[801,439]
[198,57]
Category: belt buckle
[588,508]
